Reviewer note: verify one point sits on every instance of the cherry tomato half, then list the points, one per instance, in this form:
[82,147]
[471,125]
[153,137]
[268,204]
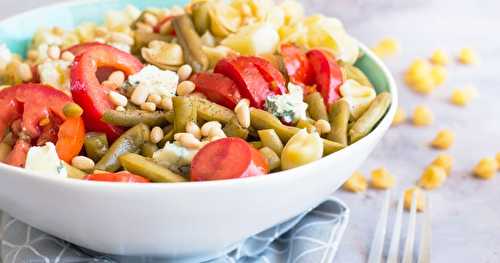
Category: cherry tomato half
[120,177]
[328,75]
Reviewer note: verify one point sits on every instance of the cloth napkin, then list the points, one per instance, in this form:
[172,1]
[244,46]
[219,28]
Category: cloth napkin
[310,237]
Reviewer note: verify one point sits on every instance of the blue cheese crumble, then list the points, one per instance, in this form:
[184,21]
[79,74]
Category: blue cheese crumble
[155,81]
[174,156]
[44,160]
[288,107]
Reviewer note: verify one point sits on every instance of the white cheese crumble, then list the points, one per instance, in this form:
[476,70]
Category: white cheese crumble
[5,54]
[156,81]
[173,156]
[289,107]
[358,96]
[44,160]
[55,73]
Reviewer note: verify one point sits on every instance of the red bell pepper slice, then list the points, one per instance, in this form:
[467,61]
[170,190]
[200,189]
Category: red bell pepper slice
[328,75]
[297,65]
[217,88]
[88,92]
[120,177]
[270,73]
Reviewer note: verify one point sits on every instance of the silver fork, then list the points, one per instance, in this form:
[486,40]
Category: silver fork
[377,248]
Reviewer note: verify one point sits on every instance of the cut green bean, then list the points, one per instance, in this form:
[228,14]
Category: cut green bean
[201,17]
[273,159]
[270,139]
[134,117]
[190,42]
[74,172]
[352,72]
[148,149]
[96,145]
[316,106]
[234,129]
[210,111]
[256,144]
[339,121]
[140,165]
[129,142]
[371,117]
[185,111]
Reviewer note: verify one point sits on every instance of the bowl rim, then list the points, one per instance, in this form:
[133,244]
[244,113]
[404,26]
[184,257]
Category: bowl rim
[278,176]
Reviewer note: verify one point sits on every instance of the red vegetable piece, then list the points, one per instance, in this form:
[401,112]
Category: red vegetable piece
[88,92]
[81,48]
[17,157]
[296,65]
[120,177]
[227,158]
[270,73]
[328,76]
[218,88]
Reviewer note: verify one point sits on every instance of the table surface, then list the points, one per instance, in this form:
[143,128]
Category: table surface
[465,211]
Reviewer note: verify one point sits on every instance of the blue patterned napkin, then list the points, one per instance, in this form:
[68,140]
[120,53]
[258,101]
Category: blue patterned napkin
[311,237]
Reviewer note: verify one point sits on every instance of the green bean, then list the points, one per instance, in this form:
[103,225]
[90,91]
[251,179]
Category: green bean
[132,118]
[352,72]
[185,111]
[234,129]
[96,145]
[306,124]
[74,172]
[273,159]
[330,147]
[201,16]
[140,165]
[170,116]
[270,139]
[371,117]
[4,151]
[191,43]
[131,141]
[339,121]
[210,111]
[256,144]
[148,149]
[169,136]
[316,106]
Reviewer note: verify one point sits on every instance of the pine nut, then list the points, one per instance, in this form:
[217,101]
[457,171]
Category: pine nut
[144,27]
[216,132]
[139,95]
[185,72]
[54,52]
[155,98]
[205,129]
[185,87]
[122,38]
[100,31]
[189,141]
[192,128]
[24,71]
[120,108]
[83,163]
[215,138]
[118,99]
[177,136]
[156,135]
[322,126]
[68,56]
[117,77]
[150,19]
[242,111]
[166,103]
[32,55]
[110,85]
[148,106]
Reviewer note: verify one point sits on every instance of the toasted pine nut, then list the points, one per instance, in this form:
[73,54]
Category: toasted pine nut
[322,126]
[184,72]
[54,52]
[205,129]
[120,108]
[192,128]
[24,72]
[242,111]
[117,77]
[139,95]
[148,106]
[178,135]
[122,38]
[150,19]
[166,103]
[189,141]
[185,87]
[110,85]
[83,163]
[68,56]
[156,135]
[216,132]
[118,99]
[155,98]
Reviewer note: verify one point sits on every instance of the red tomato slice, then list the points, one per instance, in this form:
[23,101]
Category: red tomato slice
[271,74]
[81,48]
[227,158]
[250,82]
[296,65]
[328,76]
[88,92]
[17,157]
[120,177]
[218,88]
[70,139]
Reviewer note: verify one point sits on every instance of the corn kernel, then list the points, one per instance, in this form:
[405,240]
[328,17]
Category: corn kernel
[422,116]
[462,97]
[486,168]
[439,75]
[419,195]
[439,57]
[399,117]
[387,47]
[425,85]
[432,177]
[382,179]
[356,183]
[423,77]
[444,161]
[498,159]
[443,140]
[467,56]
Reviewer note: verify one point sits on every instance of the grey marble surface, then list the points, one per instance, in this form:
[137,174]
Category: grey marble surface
[466,211]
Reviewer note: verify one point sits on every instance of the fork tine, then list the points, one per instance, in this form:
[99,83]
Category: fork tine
[378,238]
[424,255]
[410,236]
[394,248]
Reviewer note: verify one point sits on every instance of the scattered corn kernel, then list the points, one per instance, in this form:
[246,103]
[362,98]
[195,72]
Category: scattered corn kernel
[467,56]
[439,57]
[423,77]
[422,116]
[356,183]
[382,179]
[486,168]
[444,161]
[399,117]
[462,97]
[432,177]
[443,140]
[414,192]
[387,47]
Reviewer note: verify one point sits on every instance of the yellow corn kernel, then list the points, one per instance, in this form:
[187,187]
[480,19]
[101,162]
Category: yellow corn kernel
[425,85]
[486,168]
[419,69]
[443,140]
[382,179]
[419,195]
[423,77]
[432,177]
[439,75]
[498,159]
[422,116]
[444,161]
[462,97]
[387,47]
[467,56]
[439,57]
[356,183]
[399,117]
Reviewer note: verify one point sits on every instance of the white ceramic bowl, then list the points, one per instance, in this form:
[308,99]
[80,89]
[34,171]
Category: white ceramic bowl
[183,219]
